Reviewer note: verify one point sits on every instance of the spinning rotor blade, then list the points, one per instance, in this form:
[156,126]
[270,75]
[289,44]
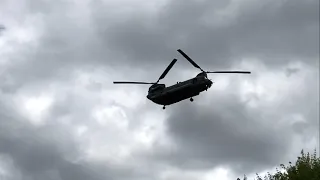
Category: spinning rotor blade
[189,59]
[130,82]
[241,72]
[165,72]
[161,77]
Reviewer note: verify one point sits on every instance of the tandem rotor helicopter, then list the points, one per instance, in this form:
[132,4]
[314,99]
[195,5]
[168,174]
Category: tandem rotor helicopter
[162,95]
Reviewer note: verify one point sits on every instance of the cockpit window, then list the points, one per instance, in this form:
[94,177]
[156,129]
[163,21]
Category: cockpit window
[156,88]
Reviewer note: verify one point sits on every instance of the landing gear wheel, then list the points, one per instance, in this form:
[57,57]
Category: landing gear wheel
[191,99]
[164,107]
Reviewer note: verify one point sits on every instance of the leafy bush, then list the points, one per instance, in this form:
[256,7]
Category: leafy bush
[307,167]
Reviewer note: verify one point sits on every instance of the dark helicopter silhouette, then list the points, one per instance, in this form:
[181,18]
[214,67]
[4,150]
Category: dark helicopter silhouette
[162,95]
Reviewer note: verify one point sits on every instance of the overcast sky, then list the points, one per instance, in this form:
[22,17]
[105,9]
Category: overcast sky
[61,118]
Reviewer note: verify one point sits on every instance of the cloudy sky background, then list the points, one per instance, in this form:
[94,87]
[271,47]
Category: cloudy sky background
[61,118]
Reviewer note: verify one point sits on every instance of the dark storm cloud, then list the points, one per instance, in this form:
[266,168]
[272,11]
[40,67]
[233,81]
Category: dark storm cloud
[51,152]
[308,104]
[100,37]
[226,134]
[276,33]
[229,133]
[272,31]
[66,42]
[212,135]
[36,151]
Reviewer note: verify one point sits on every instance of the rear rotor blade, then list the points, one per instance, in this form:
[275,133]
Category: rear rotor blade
[189,59]
[240,72]
[165,72]
[130,82]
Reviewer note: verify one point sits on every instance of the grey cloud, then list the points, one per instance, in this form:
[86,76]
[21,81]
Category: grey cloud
[100,39]
[229,133]
[225,133]
[291,71]
[51,152]
[33,150]
[67,43]
[2,27]
[276,34]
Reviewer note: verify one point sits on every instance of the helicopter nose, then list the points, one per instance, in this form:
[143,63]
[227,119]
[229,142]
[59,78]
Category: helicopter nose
[210,83]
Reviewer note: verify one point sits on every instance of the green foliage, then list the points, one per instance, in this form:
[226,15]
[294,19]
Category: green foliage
[307,167]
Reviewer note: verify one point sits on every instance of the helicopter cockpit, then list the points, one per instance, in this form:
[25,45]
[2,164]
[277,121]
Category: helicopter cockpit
[156,88]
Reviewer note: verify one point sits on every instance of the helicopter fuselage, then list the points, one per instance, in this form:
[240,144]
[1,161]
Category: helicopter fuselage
[162,95]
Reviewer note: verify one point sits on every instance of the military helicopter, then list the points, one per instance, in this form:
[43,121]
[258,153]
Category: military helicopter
[162,95]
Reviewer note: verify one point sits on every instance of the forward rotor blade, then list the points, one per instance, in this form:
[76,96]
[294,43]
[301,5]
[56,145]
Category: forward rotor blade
[240,72]
[165,72]
[130,82]
[189,59]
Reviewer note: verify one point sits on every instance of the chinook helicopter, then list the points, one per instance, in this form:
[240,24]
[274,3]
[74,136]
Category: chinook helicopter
[162,95]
